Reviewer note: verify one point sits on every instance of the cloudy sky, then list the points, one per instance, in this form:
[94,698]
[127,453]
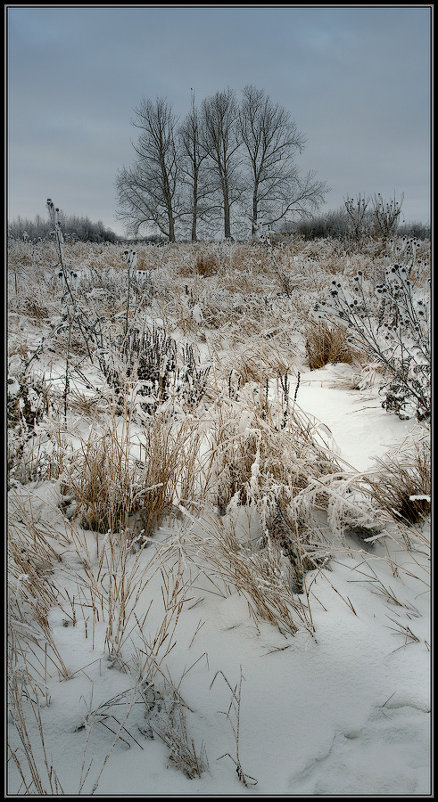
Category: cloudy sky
[355,79]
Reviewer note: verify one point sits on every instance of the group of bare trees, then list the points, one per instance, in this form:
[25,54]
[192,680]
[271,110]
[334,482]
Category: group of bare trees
[227,164]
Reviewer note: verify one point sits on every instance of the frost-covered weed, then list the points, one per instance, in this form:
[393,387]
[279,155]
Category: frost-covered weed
[161,370]
[28,404]
[393,325]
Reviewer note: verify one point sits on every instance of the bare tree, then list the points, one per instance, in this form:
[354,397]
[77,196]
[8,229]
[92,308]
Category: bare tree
[221,142]
[207,166]
[148,191]
[272,140]
[193,169]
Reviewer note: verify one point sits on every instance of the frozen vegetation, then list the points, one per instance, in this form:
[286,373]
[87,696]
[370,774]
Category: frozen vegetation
[219,518]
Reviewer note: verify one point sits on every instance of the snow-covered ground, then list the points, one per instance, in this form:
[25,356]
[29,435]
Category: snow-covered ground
[202,696]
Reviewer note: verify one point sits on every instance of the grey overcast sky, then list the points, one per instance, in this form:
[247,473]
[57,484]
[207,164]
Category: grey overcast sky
[356,80]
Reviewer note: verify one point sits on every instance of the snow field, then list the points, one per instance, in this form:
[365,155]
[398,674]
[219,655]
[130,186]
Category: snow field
[166,638]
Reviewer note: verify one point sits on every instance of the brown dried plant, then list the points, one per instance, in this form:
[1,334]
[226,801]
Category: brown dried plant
[327,344]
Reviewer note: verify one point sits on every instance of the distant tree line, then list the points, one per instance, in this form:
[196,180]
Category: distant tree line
[229,166]
[73,228]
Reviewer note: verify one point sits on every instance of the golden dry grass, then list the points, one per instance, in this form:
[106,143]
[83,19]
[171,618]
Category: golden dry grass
[115,492]
[207,265]
[400,479]
[327,344]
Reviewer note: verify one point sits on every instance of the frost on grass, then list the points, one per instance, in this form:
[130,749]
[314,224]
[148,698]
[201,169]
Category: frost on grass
[185,510]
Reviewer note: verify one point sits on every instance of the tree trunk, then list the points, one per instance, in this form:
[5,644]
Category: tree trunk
[227,209]
[171,229]
[254,210]
[227,220]
[195,207]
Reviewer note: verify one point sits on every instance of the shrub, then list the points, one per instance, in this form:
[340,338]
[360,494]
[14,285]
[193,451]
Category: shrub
[74,228]
[331,224]
[385,217]
[356,209]
[419,231]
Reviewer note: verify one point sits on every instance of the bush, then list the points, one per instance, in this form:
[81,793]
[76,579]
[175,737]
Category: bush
[331,224]
[418,231]
[74,228]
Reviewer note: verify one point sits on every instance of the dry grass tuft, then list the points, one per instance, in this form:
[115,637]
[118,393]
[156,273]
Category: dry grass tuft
[102,483]
[37,773]
[34,551]
[207,265]
[402,484]
[325,344]
[114,490]
[34,308]
[263,578]
[277,453]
